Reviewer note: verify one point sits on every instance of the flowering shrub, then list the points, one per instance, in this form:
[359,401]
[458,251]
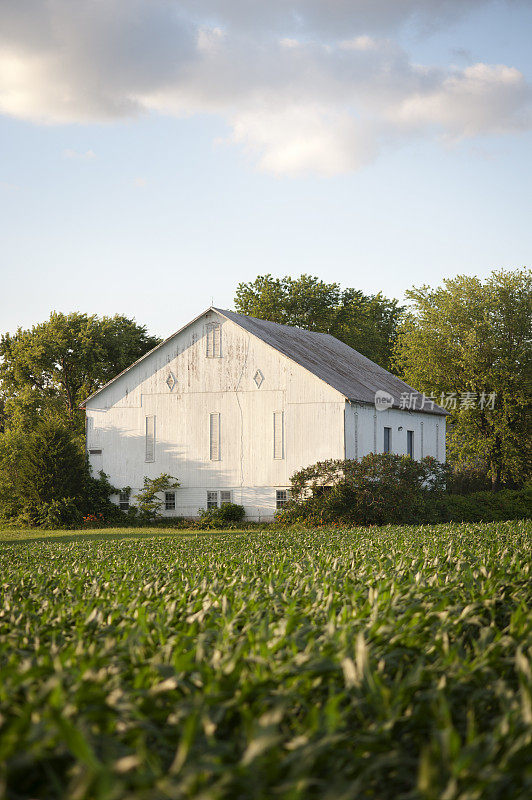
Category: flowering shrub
[94,520]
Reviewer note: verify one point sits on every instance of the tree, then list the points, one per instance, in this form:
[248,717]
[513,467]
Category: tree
[367,323]
[473,339]
[39,468]
[45,477]
[55,365]
[148,502]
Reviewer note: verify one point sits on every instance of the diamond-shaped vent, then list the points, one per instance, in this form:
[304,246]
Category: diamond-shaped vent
[258,378]
[171,381]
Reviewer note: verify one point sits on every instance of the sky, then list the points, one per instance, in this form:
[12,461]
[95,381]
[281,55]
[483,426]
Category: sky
[156,153]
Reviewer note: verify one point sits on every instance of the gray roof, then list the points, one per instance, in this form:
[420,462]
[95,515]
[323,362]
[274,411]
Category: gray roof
[345,369]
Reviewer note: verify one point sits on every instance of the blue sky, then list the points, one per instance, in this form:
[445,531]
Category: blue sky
[381,149]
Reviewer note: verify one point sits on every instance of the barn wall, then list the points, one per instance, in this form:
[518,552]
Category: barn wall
[313,419]
[364,425]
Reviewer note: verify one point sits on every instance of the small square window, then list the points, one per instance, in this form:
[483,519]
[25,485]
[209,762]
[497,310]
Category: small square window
[282,497]
[169,501]
[225,497]
[123,501]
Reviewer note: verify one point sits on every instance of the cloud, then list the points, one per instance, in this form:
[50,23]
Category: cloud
[86,156]
[304,85]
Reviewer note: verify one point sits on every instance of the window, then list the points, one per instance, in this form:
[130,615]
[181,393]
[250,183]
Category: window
[319,491]
[278,434]
[169,501]
[282,497]
[95,452]
[410,443]
[215,499]
[387,440]
[214,340]
[214,437]
[150,439]
[123,501]
[212,499]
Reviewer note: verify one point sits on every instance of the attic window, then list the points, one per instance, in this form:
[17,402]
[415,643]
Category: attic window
[258,378]
[214,340]
[171,381]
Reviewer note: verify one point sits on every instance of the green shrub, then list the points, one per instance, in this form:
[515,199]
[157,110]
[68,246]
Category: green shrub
[381,488]
[385,488]
[62,513]
[226,516]
[46,481]
[488,506]
[148,501]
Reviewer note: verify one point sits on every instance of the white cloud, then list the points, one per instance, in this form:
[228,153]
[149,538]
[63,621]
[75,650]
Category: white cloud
[86,156]
[304,85]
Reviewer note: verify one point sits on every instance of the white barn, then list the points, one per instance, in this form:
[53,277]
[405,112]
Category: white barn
[232,406]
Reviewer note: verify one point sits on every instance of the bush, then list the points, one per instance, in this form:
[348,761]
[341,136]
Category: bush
[223,517]
[62,513]
[148,502]
[46,481]
[384,488]
[488,506]
[381,488]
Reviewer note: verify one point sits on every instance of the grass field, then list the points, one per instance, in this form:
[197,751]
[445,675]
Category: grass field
[370,663]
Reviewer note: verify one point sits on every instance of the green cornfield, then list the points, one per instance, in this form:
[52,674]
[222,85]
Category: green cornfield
[334,664]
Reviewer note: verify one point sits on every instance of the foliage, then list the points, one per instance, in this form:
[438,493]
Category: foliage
[148,503]
[45,478]
[488,506]
[366,322]
[223,516]
[52,367]
[96,497]
[61,513]
[383,663]
[474,337]
[379,489]
[40,467]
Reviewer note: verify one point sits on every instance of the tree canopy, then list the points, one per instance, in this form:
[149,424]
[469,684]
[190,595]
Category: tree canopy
[52,367]
[473,339]
[368,323]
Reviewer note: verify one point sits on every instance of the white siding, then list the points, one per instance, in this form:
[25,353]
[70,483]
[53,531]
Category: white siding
[362,423]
